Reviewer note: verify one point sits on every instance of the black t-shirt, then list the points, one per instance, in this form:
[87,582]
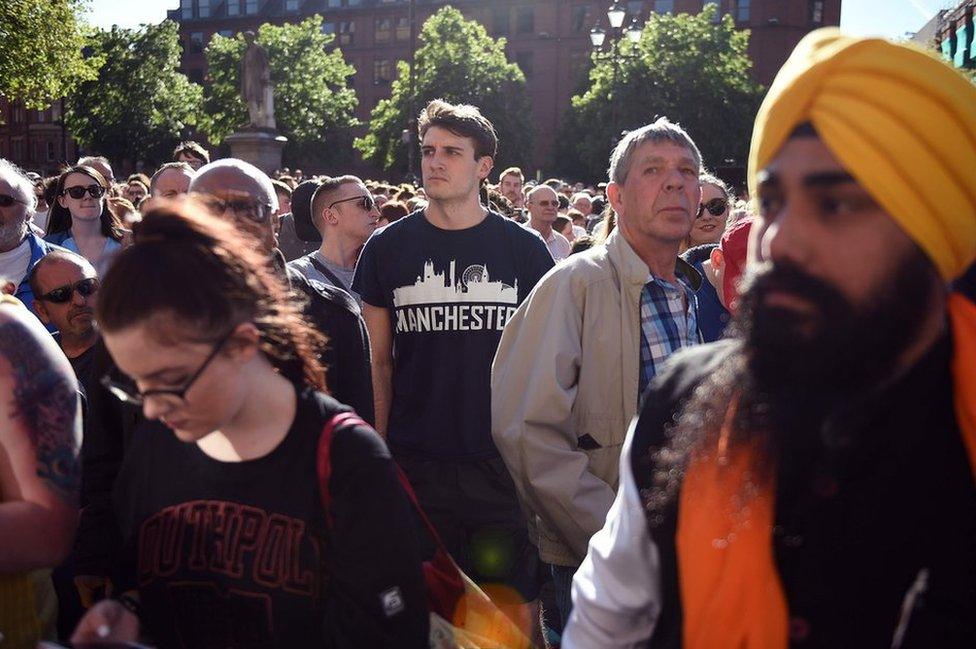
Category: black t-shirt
[82,364]
[450,293]
[239,554]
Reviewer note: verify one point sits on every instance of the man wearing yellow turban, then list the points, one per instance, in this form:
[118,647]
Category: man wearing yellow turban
[811,481]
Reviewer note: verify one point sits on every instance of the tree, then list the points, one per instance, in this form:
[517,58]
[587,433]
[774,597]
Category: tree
[314,105]
[459,62]
[42,50]
[693,69]
[140,104]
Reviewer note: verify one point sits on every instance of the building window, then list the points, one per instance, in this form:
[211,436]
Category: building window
[345,29]
[56,112]
[17,149]
[742,10]
[816,12]
[382,72]
[635,8]
[403,29]
[581,19]
[499,21]
[51,152]
[525,20]
[186,9]
[526,63]
[196,42]
[203,9]
[251,7]
[41,116]
[328,28]
[335,4]
[226,33]
[384,27]
[664,6]
[291,5]
[233,7]
[18,114]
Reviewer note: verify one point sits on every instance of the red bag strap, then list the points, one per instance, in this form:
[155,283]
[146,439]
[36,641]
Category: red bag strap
[323,466]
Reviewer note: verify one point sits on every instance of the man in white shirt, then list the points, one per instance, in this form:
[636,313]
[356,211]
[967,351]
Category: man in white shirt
[543,206]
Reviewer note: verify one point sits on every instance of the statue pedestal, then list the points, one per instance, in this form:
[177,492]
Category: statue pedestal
[261,148]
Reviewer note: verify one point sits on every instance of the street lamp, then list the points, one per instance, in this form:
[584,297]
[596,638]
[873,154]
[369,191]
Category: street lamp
[608,49]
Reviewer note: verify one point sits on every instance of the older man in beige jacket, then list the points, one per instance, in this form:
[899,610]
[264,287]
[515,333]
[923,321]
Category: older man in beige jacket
[574,359]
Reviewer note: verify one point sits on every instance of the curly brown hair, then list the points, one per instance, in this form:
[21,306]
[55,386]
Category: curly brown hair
[207,277]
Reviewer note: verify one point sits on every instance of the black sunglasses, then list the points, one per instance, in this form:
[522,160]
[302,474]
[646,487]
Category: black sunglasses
[251,210]
[77,192]
[715,207]
[129,393]
[368,202]
[7,200]
[60,295]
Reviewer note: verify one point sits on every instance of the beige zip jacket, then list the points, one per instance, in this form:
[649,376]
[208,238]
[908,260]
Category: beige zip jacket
[564,389]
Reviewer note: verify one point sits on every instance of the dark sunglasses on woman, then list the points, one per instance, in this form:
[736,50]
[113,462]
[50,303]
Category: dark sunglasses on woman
[77,192]
[6,200]
[715,207]
[60,295]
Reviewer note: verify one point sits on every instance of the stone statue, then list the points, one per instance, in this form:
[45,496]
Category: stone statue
[256,88]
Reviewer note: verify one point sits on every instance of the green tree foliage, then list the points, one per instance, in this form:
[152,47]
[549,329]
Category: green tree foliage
[314,105]
[41,50]
[459,62]
[693,69]
[140,103]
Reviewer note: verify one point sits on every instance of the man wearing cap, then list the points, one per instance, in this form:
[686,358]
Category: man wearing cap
[811,481]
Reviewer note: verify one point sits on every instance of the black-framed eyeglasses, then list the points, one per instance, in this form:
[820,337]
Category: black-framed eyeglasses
[715,207]
[85,288]
[78,192]
[129,393]
[249,209]
[6,200]
[368,202]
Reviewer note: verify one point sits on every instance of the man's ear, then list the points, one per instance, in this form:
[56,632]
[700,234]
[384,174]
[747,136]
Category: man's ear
[41,311]
[717,258]
[485,164]
[613,195]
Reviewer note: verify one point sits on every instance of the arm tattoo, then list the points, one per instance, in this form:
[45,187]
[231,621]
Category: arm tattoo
[47,404]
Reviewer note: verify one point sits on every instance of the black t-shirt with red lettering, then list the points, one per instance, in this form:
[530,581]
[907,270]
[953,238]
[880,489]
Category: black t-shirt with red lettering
[239,554]
[449,294]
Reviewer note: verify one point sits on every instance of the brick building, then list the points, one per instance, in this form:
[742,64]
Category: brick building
[954,34]
[549,39]
[34,139]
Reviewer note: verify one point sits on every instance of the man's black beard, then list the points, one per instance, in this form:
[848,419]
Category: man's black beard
[788,378]
[840,349]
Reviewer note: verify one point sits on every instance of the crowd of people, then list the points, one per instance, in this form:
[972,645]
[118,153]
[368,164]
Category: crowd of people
[241,410]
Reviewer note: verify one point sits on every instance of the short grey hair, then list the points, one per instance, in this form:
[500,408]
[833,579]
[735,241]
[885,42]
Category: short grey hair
[19,181]
[181,166]
[662,130]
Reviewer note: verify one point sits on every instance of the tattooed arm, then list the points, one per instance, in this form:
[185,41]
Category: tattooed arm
[40,431]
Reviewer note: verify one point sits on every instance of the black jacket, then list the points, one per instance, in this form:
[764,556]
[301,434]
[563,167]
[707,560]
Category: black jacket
[857,523]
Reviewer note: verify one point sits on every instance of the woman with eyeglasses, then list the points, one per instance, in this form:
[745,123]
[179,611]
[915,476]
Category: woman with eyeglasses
[712,212]
[80,219]
[226,539]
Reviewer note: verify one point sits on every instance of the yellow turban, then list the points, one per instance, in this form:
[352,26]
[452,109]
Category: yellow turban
[901,121]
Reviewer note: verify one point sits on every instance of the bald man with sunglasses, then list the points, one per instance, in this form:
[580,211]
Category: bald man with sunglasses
[345,214]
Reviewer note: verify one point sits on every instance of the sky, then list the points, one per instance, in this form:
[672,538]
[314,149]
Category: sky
[892,18]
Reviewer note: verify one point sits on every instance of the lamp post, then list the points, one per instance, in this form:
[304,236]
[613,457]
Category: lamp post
[411,131]
[605,48]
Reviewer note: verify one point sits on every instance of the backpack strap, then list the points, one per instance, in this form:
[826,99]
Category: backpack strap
[323,467]
[332,277]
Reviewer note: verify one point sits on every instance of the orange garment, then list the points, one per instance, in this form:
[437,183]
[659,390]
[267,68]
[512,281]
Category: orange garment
[730,589]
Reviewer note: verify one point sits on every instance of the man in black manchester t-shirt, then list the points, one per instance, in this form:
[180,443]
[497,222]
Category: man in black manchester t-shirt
[438,287]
